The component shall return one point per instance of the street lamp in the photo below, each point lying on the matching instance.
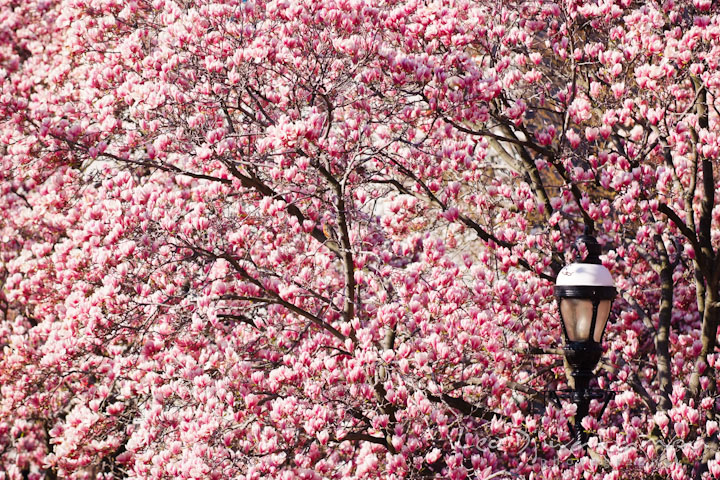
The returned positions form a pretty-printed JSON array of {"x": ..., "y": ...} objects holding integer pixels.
[{"x": 585, "y": 291}]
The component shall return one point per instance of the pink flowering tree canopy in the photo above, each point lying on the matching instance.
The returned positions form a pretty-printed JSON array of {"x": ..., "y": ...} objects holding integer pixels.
[{"x": 247, "y": 239}]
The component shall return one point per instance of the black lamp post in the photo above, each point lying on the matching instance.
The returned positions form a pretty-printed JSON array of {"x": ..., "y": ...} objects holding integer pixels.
[{"x": 585, "y": 291}]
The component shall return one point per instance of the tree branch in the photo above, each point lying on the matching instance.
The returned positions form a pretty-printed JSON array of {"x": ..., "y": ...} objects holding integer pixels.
[{"x": 662, "y": 336}]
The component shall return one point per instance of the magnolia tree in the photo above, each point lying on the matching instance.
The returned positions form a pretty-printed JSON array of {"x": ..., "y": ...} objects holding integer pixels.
[{"x": 318, "y": 239}]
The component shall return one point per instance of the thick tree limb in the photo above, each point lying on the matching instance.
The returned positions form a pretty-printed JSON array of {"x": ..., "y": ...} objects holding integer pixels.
[{"x": 662, "y": 337}]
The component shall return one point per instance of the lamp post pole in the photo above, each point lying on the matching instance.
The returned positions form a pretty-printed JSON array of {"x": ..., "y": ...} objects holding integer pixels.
[
  {"x": 582, "y": 361},
  {"x": 584, "y": 291}
]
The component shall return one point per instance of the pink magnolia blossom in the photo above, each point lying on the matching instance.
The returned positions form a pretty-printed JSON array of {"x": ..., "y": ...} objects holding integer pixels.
[{"x": 318, "y": 239}]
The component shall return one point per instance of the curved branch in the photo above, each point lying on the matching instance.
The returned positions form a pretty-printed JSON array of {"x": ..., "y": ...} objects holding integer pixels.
[
  {"x": 465, "y": 407},
  {"x": 275, "y": 297}
]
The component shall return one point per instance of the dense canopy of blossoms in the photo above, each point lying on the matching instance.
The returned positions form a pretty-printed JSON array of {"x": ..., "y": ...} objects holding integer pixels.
[{"x": 318, "y": 238}]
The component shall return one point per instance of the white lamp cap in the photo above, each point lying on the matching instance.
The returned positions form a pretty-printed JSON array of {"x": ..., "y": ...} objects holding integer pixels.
[{"x": 584, "y": 274}]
